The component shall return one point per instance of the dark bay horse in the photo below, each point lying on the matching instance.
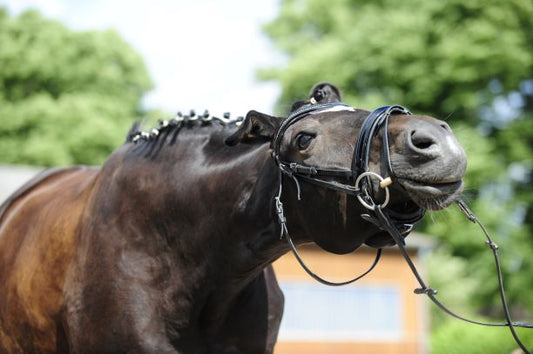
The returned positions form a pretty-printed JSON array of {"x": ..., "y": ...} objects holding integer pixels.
[{"x": 167, "y": 247}]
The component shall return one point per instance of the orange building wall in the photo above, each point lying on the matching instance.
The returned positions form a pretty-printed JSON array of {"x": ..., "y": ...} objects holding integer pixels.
[{"x": 391, "y": 270}]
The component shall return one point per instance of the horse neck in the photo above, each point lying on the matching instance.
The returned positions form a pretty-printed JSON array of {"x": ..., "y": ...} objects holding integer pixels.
[{"x": 209, "y": 206}]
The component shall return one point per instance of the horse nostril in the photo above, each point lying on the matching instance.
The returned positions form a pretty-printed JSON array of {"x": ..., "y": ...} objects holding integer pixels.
[
  {"x": 445, "y": 127},
  {"x": 421, "y": 140}
]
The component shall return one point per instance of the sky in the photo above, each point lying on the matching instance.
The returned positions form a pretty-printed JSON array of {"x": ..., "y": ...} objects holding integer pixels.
[{"x": 201, "y": 54}]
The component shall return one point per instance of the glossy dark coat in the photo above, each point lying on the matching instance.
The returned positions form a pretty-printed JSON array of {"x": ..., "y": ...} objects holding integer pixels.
[{"x": 167, "y": 247}]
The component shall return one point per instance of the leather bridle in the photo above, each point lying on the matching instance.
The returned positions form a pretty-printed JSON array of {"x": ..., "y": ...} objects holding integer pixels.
[
  {"x": 359, "y": 172},
  {"x": 397, "y": 224}
]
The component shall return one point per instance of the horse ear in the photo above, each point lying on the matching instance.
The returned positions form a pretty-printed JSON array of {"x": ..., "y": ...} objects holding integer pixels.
[
  {"x": 255, "y": 127},
  {"x": 325, "y": 93}
]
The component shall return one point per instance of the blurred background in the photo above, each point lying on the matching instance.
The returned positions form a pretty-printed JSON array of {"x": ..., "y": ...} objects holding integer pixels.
[{"x": 74, "y": 75}]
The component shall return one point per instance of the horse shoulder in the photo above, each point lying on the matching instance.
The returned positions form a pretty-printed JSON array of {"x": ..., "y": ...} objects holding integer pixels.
[{"x": 38, "y": 226}]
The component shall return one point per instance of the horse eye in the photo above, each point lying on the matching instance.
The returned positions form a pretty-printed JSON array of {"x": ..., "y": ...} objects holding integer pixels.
[{"x": 303, "y": 140}]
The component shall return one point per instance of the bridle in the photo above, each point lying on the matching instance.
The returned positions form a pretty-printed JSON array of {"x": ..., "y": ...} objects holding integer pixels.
[
  {"x": 359, "y": 174},
  {"x": 397, "y": 224}
]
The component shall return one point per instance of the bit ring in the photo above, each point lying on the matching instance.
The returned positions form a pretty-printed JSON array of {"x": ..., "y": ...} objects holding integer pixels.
[{"x": 369, "y": 202}]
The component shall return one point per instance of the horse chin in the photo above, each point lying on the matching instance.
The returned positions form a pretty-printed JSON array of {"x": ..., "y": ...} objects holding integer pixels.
[{"x": 432, "y": 195}]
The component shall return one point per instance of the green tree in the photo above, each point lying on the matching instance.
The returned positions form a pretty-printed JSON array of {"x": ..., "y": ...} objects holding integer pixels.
[
  {"x": 469, "y": 62},
  {"x": 436, "y": 56},
  {"x": 66, "y": 97}
]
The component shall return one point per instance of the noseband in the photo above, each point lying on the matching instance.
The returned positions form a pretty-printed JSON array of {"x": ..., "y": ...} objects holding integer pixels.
[{"x": 397, "y": 224}]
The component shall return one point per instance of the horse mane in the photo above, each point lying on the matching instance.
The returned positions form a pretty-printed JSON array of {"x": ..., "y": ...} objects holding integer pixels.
[{"x": 149, "y": 143}]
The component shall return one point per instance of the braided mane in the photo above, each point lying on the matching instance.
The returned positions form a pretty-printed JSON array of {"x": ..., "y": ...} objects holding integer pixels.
[
  {"x": 135, "y": 134},
  {"x": 146, "y": 141}
]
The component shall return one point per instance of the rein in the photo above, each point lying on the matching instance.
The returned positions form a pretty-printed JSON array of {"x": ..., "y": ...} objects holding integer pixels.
[
  {"x": 431, "y": 293},
  {"x": 398, "y": 225}
]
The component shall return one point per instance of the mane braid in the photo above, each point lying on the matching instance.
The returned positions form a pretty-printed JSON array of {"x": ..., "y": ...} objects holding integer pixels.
[{"x": 147, "y": 142}]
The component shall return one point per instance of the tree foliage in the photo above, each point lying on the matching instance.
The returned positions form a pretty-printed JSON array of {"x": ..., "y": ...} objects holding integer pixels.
[
  {"x": 436, "y": 56},
  {"x": 463, "y": 338},
  {"x": 469, "y": 62},
  {"x": 66, "y": 97}
]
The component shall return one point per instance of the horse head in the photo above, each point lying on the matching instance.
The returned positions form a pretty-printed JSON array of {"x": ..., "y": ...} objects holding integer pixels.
[{"x": 318, "y": 149}]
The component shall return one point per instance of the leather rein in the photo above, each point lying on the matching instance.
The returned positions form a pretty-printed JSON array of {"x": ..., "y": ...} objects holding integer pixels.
[{"x": 398, "y": 225}]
